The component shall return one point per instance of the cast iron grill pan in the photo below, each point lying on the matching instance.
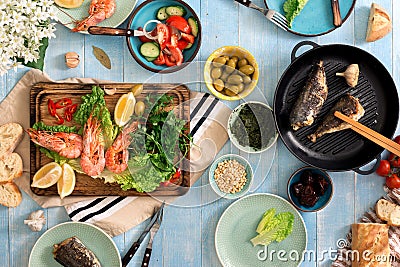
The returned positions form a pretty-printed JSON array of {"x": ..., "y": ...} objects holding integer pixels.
[{"x": 344, "y": 150}]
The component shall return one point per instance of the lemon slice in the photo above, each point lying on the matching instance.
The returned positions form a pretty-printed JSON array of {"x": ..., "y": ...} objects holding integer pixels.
[
  {"x": 47, "y": 176},
  {"x": 124, "y": 109},
  {"x": 66, "y": 184},
  {"x": 69, "y": 3}
]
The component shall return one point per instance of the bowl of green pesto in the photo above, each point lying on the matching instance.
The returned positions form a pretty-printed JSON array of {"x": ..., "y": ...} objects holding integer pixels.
[{"x": 251, "y": 127}]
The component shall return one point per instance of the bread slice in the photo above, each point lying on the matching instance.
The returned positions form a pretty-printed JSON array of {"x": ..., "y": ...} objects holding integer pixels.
[
  {"x": 384, "y": 208},
  {"x": 394, "y": 218},
  {"x": 10, "y": 136},
  {"x": 379, "y": 23},
  {"x": 10, "y": 196},
  {"x": 10, "y": 167},
  {"x": 371, "y": 240}
]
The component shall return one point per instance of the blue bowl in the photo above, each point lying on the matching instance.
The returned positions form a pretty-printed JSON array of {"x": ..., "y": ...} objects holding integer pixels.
[
  {"x": 249, "y": 176},
  {"x": 148, "y": 11},
  {"x": 322, "y": 201}
]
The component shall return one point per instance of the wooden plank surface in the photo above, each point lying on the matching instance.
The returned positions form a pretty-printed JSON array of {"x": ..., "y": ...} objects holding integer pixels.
[
  {"x": 85, "y": 185},
  {"x": 186, "y": 237}
]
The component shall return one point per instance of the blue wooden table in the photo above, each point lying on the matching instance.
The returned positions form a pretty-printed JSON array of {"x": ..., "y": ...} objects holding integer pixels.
[{"x": 186, "y": 237}]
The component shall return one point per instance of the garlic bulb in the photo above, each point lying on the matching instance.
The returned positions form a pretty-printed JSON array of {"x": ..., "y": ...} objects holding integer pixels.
[
  {"x": 351, "y": 75},
  {"x": 36, "y": 220}
]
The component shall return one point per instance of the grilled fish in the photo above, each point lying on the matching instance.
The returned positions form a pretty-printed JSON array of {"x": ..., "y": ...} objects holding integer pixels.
[
  {"x": 349, "y": 106},
  {"x": 311, "y": 99},
  {"x": 73, "y": 253}
]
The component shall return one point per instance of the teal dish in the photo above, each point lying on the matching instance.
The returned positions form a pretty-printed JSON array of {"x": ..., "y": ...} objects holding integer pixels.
[
  {"x": 91, "y": 236},
  {"x": 148, "y": 11},
  {"x": 238, "y": 224},
  {"x": 249, "y": 177},
  {"x": 316, "y": 18},
  {"x": 322, "y": 201}
]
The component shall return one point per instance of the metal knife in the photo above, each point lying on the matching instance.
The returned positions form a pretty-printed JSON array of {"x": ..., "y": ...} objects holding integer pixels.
[
  {"x": 153, "y": 232},
  {"x": 337, "y": 18}
]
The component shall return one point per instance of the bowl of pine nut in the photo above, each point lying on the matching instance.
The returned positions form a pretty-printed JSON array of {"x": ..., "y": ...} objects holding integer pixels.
[{"x": 231, "y": 176}]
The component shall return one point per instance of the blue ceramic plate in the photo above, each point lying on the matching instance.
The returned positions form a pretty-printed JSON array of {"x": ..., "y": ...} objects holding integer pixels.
[
  {"x": 238, "y": 224},
  {"x": 322, "y": 201},
  {"x": 316, "y": 18},
  {"x": 147, "y": 11},
  {"x": 91, "y": 236}
]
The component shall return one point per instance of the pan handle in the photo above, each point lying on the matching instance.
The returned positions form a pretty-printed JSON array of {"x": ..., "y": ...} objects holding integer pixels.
[
  {"x": 302, "y": 43},
  {"x": 373, "y": 169}
]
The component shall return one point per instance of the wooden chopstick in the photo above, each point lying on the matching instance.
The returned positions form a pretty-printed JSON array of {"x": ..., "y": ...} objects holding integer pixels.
[{"x": 370, "y": 134}]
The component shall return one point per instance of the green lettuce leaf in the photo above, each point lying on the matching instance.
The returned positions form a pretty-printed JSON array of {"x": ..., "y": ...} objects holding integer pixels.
[
  {"x": 275, "y": 229},
  {"x": 56, "y": 128},
  {"x": 293, "y": 8},
  {"x": 266, "y": 219}
]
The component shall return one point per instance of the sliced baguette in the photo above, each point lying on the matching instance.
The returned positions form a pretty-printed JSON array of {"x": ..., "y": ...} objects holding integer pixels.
[
  {"x": 10, "y": 196},
  {"x": 10, "y": 167},
  {"x": 394, "y": 218},
  {"x": 10, "y": 136},
  {"x": 384, "y": 208},
  {"x": 379, "y": 23}
]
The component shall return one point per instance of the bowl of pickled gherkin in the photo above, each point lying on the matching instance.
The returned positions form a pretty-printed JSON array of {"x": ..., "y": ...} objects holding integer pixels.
[
  {"x": 251, "y": 127},
  {"x": 231, "y": 73}
]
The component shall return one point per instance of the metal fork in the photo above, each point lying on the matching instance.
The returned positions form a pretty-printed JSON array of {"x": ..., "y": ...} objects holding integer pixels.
[{"x": 272, "y": 15}]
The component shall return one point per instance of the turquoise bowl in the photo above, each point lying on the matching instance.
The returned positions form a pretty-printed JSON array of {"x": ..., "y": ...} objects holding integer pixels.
[
  {"x": 148, "y": 11},
  {"x": 322, "y": 201},
  {"x": 249, "y": 177}
]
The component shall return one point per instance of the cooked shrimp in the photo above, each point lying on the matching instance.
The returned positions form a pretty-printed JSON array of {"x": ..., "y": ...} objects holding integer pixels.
[
  {"x": 99, "y": 10},
  {"x": 92, "y": 158},
  {"x": 68, "y": 145},
  {"x": 117, "y": 154}
]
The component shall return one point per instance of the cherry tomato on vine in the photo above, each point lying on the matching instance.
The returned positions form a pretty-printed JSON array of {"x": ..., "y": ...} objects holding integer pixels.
[
  {"x": 384, "y": 168},
  {"x": 393, "y": 181}
]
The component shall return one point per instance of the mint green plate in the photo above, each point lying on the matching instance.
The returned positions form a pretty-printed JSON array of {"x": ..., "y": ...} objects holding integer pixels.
[
  {"x": 67, "y": 16},
  {"x": 93, "y": 237},
  {"x": 238, "y": 224}
]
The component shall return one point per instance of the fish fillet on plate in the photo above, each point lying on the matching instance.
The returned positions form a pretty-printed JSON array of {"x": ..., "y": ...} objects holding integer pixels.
[
  {"x": 311, "y": 98},
  {"x": 349, "y": 106}
]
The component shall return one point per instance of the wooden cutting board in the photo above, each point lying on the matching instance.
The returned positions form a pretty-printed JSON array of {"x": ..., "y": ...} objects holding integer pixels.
[{"x": 85, "y": 185}]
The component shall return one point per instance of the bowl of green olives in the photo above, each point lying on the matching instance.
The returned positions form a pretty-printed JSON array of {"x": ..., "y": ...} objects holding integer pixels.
[{"x": 231, "y": 73}]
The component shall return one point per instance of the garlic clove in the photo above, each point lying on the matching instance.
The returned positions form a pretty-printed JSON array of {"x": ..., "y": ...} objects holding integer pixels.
[
  {"x": 36, "y": 220},
  {"x": 72, "y": 59},
  {"x": 351, "y": 75}
]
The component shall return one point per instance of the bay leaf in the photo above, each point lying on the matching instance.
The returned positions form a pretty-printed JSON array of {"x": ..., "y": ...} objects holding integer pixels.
[{"x": 102, "y": 57}]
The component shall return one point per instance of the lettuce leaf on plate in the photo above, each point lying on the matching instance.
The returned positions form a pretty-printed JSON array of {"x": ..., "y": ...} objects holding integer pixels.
[
  {"x": 293, "y": 8},
  {"x": 275, "y": 228}
]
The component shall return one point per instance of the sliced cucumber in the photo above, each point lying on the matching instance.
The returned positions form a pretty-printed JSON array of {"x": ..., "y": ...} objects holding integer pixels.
[
  {"x": 150, "y": 59},
  {"x": 189, "y": 45},
  {"x": 194, "y": 26},
  {"x": 161, "y": 14},
  {"x": 150, "y": 50},
  {"x": 175, "y": 11}
]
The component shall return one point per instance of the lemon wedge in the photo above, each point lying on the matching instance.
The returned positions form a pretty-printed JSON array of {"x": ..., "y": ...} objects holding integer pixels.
[
  {"x": 124, "y": 109},
  {"x": 66, "y": 184},
  {"x": 47, "y": 176},
  {"x": 69, "y": 3}
]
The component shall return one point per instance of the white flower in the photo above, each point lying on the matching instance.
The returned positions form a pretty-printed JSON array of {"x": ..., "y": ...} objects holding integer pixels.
[{"x": 23, "y": 25}]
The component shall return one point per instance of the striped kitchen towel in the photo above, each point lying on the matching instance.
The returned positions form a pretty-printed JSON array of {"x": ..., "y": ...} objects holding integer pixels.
[{"x": 115, "y": 215}]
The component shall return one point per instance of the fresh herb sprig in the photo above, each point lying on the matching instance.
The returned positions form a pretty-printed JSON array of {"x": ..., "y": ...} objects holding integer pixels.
[{"x": 155, "y": 145}]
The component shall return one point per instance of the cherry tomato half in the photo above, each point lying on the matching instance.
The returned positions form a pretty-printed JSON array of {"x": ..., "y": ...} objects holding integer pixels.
[
  {"x": 393, "y": 181},
  {"x": 51, "y": 107},
  {"x": 62, "y": 103},
  {"x": 163, "y": 35},
  {"x": 384, "y": 168}
]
